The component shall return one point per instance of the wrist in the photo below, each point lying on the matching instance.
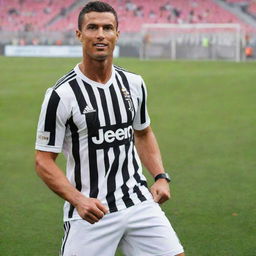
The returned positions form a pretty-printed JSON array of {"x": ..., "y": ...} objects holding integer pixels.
[
  {"x": 163, "y": 176},
  {"x": 77, "y": 199}
]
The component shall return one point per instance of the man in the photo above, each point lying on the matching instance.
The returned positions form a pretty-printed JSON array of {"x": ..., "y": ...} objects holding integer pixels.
[{"x": 97, "y": 116}]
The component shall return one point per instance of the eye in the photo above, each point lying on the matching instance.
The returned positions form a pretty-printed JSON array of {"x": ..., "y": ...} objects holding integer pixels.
[
  {"x": 108, "y": 27},
  {"x": 92, "y": 27}
]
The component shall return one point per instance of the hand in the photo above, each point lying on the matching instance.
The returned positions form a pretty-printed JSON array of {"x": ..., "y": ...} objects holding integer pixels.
[
  {"x": 91, "y": 209},
  {"x": 160, "y": 191}
]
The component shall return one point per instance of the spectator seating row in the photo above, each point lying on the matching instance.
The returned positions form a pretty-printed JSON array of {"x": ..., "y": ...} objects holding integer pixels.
[
  {"x": 250, "y": 5},
  {"x": 252, "y": 8},
  {"x": 31, "y": 15}
]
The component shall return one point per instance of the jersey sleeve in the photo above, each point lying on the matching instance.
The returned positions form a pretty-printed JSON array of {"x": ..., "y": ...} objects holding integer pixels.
[
  {"x": 141, "y": 119},
  {"x": 52, "y": 123}
]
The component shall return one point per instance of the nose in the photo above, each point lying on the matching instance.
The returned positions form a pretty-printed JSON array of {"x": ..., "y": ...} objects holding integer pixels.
[{"x": 100, "y": 34}]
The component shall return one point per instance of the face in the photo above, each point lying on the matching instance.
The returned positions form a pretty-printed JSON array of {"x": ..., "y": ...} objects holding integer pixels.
[{"x": 98, "y": 35}]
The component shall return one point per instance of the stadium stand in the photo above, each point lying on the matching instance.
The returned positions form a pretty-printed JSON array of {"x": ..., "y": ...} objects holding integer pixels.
[
  {"x": 30, "y": 15},
  {"x": 52, "y": 22},
  {"x": 252, "y": 8},
  {"x": 50, "y": 15},
  {"x": 236, "y": 1},
  {"x": 248, "y": 6}
]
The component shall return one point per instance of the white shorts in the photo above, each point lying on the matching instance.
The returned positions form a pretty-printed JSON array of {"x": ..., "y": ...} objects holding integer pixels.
[{"x": 141, "y": 230}]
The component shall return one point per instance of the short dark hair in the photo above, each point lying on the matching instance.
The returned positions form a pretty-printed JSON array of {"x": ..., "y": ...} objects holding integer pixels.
[{"x": 96, "y": 6}]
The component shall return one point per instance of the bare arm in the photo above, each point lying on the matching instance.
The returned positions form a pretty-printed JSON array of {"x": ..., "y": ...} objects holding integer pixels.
[
  {"x": 90, "y": 209},
  {"x": 150, "y": 156}
]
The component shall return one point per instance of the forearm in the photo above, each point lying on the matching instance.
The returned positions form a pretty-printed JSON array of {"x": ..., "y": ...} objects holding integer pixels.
[
  {"x": 150, "y": 156},
  {"x": 55, "y": 179},
  {"x": 90, "y": 209},
  {"x": 149, "y": 152}
]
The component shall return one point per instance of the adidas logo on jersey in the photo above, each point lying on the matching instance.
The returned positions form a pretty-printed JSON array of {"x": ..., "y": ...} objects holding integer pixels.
[
  {"x": 110, "y": 136},
  {"x": 88, "y": 110}
]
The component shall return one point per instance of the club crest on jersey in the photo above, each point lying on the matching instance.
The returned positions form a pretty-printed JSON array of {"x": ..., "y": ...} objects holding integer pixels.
[
  {"x": 127, "y": 97},
  {"x": 88, "y": 110}
]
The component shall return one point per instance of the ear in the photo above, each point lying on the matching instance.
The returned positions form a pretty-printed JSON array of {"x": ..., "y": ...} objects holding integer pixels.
[
  {"x": 117, "y": 34},
  {"x": 79, "y": 35}
]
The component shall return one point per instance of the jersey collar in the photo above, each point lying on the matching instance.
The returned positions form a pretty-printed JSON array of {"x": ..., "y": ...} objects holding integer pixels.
[{"x": 94, "y": 83}]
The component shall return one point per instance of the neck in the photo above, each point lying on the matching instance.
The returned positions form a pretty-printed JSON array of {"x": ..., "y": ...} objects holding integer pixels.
[{"x": 98, "y": 71}]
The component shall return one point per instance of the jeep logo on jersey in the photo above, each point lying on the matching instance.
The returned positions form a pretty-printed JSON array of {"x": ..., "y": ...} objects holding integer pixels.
[{"x": 115, "y": 135}]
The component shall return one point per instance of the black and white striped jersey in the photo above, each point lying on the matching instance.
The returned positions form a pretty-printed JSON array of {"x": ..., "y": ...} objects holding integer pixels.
[{"x": 93, "y": 125}]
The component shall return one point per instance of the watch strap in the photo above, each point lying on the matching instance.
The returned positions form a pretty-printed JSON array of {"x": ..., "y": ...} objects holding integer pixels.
[{"x": 163, "y": 176}]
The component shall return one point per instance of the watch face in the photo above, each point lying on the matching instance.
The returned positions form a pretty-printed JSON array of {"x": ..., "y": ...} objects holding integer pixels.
[{"x": 168, "y": 177}]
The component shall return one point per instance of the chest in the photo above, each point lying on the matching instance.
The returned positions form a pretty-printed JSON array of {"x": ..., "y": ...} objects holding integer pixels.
[{"x": 102, "y": 109}]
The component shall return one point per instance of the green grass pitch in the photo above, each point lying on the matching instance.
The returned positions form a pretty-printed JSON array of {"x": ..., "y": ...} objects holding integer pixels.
[{"x": 203, "y": 114}]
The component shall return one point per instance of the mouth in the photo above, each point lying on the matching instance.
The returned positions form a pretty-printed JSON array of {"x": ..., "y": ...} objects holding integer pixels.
[{"x": 100, "y": 45}]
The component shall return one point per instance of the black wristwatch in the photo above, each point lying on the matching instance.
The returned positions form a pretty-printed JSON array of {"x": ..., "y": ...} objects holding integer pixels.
[{"x": 163, "y": 176}]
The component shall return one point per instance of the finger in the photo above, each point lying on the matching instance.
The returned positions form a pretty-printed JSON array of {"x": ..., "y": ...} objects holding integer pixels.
[
  {"x": 156, "y": 197},
  {"x": 164, "y": 197},
  {"x": 97, "y": 212},
  {"x": 162, "y": 200},
  {"x": 102, "y": 207},
  {"x": 91, "y": 218}
]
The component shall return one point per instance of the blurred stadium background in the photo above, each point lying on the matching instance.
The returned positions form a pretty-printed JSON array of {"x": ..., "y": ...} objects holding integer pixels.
[
  {"x": 52, "y": 23},
  {"x": 203, "y": 114}
]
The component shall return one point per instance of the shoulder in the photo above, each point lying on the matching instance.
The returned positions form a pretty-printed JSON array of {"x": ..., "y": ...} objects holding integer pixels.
[
  {"x": 62, "y": 81},
  {"x": 132, "y": 78},
  {"x": 62, "y": 87},
  {"x": 61, "y": 90},
  {"x": 127, "y": 73}
]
